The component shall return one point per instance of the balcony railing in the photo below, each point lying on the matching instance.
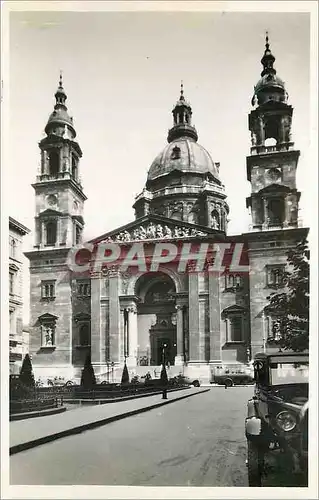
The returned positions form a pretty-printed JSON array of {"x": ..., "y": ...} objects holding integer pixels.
[{"x": 276, "y": 148}]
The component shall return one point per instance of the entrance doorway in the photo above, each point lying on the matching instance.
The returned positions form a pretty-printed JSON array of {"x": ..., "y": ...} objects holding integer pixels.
[{"x": 157, "y": 299}]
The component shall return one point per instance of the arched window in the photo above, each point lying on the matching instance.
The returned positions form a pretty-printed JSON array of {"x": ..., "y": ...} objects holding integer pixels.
[
  {"x": 84, "y": 334},
  {"x": 54, "y": 163},
  {"x": 51, "y": 229}
]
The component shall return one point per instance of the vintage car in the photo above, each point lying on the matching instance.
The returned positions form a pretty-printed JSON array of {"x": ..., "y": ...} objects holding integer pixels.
[
  {"x": 276, "y": 426},
  {"x": 229, "y": 375}
]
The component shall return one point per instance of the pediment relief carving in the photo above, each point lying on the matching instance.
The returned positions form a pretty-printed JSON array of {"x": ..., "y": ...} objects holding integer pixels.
[{"x": 150, "y": 231}]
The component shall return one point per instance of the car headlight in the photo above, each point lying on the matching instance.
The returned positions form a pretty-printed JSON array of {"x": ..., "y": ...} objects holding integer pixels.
[{"x": 286, "y": 421}]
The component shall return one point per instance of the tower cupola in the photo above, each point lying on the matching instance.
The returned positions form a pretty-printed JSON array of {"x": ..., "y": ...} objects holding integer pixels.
[
  {"x": 60, "y": 122},
  {"x": 270, "y": 87},
  {"x": 182, "y": 114}
]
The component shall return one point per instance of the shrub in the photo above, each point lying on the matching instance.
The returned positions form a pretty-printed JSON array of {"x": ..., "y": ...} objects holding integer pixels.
[
  {"x": 26, "y": 376},
  {"x": 125, "y": 376},
  {"x": 88, "y": 380}
]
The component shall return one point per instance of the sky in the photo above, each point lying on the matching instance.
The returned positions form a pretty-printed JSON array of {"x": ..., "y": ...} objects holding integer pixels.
[{"x": 122, "y": 74}]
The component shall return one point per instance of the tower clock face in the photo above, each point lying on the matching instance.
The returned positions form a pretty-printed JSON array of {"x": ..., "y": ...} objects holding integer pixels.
[
  {"x": 274, "y": 175},
  {"x": 52, "y": 200}
]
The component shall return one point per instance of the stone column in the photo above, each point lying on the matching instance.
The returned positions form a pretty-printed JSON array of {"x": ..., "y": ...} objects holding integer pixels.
[
  {"x": 214, "y": 317},
  {"x": 261, "y": 141},
  {"x": 43, "y": 234},
  {"x": 114, "y": 315},
  {"x": 265, "y": 223},
  {"x": 58, "y": 232},
  {"x": 287, "y": 211},
  {"x": 96, "y": 320},
  {"x": 132, "y": 335},
  {"x": 193, "y": 316},
  {"x": 179, "y": 358}
]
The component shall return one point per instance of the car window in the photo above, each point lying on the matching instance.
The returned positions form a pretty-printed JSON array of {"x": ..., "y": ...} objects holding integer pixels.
[{"x": 289, "y": 373}]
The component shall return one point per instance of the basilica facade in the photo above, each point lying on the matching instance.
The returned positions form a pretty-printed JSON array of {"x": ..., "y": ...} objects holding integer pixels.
[{"x": 192, "y": 319}]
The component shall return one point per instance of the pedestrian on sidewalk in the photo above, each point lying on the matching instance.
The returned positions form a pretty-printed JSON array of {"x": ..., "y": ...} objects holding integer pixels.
[{"x": 164, "y": 382}]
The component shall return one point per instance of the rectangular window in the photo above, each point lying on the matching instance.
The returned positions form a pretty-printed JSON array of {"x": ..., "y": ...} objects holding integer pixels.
[
  {"x": 84, "y": 289},
  {"x": 48, "y": 289},
  {"x": 11, "y": 283},
  {"x": 233, "y": 281},
  {"x": 236, "y": 329},
  {"x": 51, "y": 233},
  {"x": 275, "y": 276}
]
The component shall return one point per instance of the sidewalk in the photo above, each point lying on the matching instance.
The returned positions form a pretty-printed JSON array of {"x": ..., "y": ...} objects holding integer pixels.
[{"x": 25, "y": 434}]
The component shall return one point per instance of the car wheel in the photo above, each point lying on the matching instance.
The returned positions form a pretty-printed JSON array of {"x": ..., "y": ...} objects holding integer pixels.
[
  {"x": 255, "y": 464},
  {"x": 196, "y": 383},
  {"x": 229, "y": 382}
]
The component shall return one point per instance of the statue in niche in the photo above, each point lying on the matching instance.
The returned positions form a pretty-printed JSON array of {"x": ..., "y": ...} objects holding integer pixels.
[
  {"x": 48, "y": 336},
  {"x": 215, "y": 221}
]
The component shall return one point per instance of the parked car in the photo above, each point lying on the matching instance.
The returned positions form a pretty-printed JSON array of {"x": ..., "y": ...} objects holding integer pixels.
[
  {"x": 229, "y": 375},
  {"x": 276, "y": 426},
  {"x": 184, "y": 380}
]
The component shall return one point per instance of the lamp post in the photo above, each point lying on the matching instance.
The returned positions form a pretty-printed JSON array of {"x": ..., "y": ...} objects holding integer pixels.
[{"x": 163, "y": 354}]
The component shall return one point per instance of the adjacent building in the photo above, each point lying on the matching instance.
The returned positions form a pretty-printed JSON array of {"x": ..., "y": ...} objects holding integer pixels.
[
  {"x": 194, "y": 320},
  {"x": 18, "y": 339}
]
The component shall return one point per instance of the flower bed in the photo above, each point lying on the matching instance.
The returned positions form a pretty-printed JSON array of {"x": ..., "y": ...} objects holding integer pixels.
[{"x": 30, "y": 405}]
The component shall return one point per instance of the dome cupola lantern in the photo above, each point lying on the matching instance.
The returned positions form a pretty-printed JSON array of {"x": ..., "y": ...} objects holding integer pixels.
[{"x": 182, "y": 114}]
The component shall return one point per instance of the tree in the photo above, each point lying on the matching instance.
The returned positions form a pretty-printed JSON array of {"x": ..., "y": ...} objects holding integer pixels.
[
  {"x": 291, "y": 306},
  {"x": 125, "y": 376},
  {"x": 88, "y": 380},
  {"x": 26, "y": 376}
]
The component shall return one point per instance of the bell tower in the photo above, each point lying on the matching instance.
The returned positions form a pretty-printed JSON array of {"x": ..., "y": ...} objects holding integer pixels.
[
  {"x": 58, "y": 190},
  {"x": 272, "y": 164}
]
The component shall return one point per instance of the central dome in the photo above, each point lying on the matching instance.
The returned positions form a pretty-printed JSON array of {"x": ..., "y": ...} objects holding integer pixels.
[{"x": 185, "y": 155}]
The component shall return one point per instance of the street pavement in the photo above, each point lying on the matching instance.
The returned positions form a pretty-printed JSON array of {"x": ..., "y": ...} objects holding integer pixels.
[{"x": 198, "y": 441}]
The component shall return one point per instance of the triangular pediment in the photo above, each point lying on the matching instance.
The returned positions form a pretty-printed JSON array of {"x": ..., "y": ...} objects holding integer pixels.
[
  {"x": 155, "y": 227},
  {"x": 233, "y": 309},
  {"x": 49, "y": 212},
  {"x": 47, "y": 317},
  {"x": 273, "y": 188}
]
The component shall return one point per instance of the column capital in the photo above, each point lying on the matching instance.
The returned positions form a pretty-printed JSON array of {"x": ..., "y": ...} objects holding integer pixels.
[
  {"x": 180, "y": 307},
  {"x": 95, "y": 274},
  {"x": 111, "y": 272}
]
